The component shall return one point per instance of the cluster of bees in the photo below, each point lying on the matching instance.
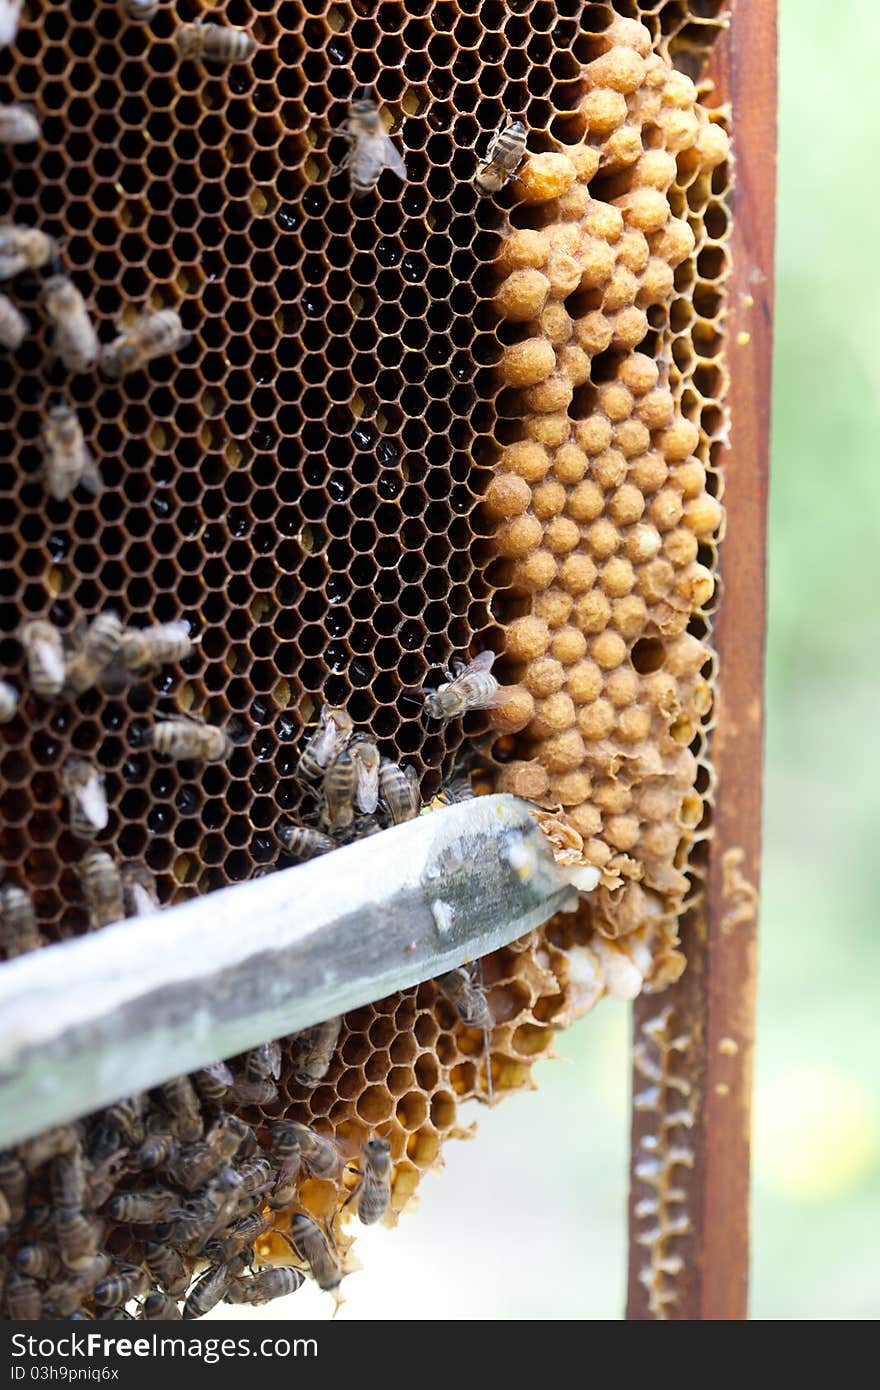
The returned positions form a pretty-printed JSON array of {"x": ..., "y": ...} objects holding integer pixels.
[{"x": 147, "y": 1204}]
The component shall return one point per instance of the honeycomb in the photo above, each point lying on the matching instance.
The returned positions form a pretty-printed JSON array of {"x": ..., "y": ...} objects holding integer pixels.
[{"x": 312, "y": 482}]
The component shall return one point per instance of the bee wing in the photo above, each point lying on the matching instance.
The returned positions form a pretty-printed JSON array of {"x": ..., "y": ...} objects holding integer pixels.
[
  {"x": 367, "y": 788},
  {"x": 482, "y": 662},
  {"x": 51, "y": 658},
  {"x": 91, "y": 478},
  {"x": 93, "y": 802},
  {"x": 393, "y": 159}
]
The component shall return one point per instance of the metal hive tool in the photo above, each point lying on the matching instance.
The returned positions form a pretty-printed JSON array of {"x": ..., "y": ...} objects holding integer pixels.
[{"x": 303, "y": 485}]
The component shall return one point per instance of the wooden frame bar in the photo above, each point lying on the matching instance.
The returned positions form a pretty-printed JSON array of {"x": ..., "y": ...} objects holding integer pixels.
[{"x": 693, "y": 1043}]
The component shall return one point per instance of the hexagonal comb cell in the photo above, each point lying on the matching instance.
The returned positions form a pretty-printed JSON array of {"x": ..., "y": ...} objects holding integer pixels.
[{"x": 348, "y": 474}]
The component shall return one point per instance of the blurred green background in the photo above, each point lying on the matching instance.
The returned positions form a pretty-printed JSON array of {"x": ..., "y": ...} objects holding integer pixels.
[{"x": 530, "y": 1220}]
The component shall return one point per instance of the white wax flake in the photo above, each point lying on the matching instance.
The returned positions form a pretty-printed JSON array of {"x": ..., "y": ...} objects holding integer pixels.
[
  {"x": 443, "y": 915},
  {"x": 583, "y": 877},
  {"x": 521, "y": 857}
]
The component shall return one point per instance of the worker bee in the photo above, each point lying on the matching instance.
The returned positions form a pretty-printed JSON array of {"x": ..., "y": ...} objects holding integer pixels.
[
  {"x": 127, "y": 1282},
  {"x": 466, "y": 998},
  {"x": 83, "y": 785},
  {"x": 207, "y": 1292},
  {"x": 102, "y": 889},
  {"x": 13, "y": 1185},
  {"x": 399, "y": 789},
  {"x": 332, "y": 735},
  {"x": 44, "y": 654},
  {"x": 67, "y": 1180},
  {"x": 18, "y": 922},
  {"x": 319, "y": 1152},
  {"x": 67, "y": 459},
  {"x": 24, "y": 1302},
  {"x": 166, "y": 1266},
  {"x": 260, "y": 1092},
  {"x": 182, "y": 737},
  {"x": 37, "y": 1261},
  {"x": 266, "y": 1285},
  {"x": 503, "y": 157},
  {"x": 104, "y": 1175},
  {"x": 193, "y": 1168},
  {"x": 180, "y": 1099},
  {"x": 366, "y": 760},
  {"x": 213, "y": 1082},
  {"x": 303, "y": 842},
  {"x": 456, "y": 790},
  {"x": 140, "y": 10},
  {"x": 213, "y": 43},
  {"x": 370, "y": 147},
  {"x": 18, "y": 125},
  {"x": 339, "y": 788},
  {"x": 97, "y": 650},
  {"x": 264, "y": 1062},
  {"x": 156, "y": 1150},
  {"x": 138, "y": 891},
  {"x": 374, "y": 1187},
  {"x": 13, "y": 325},
  {"x": 313, "y": 1050},
  {"x": 75, "y": 341},
  {"x": 60, "y": 1139},
  {"x": 8, "y": 702},
  {"x": 153, "y": 334},
  {"x": 239, "y": 1239},
  {"x": 158, "y": 1307},
  {"x": 123, "y": 1122},
  {"x": 468, "y": 687},
  {"x": 23, "y": 248},
  {"x": 310, "y": 1243},
  {"x": 66, "y": 1296},
  {"x": 77, "y": 1238},
  {"x": 155, "y": 645},
  {"x": 143, "y": 1207},
  {"x": 10, "y": 12}
]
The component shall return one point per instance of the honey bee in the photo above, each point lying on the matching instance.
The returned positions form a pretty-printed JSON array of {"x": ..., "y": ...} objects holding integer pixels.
[
  {"x": 18, "y": 125},
  {"x": 123, "y": 1121},
  {"x": 83, "y": 785},
  {"x": 166, "y": 1267},
  {"x": 181, "y": 738},
  {"x": 143, "y": 1207},
  {"x": 339, "y": 788},
  {"x": 158, "y": 1307},
  {"x": 24, "y": 1302},
  {"x": 8, "y": 702},
  {"x": 366, "y": 760},
  {"x": 13, "y": 325},
  {"x": 286, "y": 1151},
  {"x": 469, "y": 687},
  {"x": 456, "y": 790},
  {"x": 153, "y": 334},
  {"x": 239, "y": 1240},
  {"x": 138, "y": 891},
  {"x": 127, "y": 1282},
  {"x": 313, "y": 1050},
  {"x": 37, "y": 1261},
  {"x": 75, "y": 341},
  {"x": 370, "y": 148},
  {"x": 264, "y": 1062},
  {"x": 466, "y": 998},
  {"x": 191, "y": 1228},
  {"x": 141, "y": 10},
  {"x": 194, "y": 1168},
  {"x": 399, "y": 789},
  {"x": 23, "y": 248},
  {"x": 374, "y": 1188},
  {"x": 334, "y": 731},
  {"x": 503, "y": 157},
  {"x": 207, "y": 1292},
  {"x": 213, "y": 1082},
  {"x": 77, "y": 1239},
  {"x": 303, "y": 842},
  {"x": 10, "y": 12},
  {"x": 97, "y": 650},
  {"x": 156, "y": 1150},
  {"x": 266, "y": 1285},
  {"x": 61, "y": 1139},
  {"x": 247, "y": 1092},
  {"x": 310, "y": 1243},
  {"x": 13, "y": 1185},
  {"x": 44, "y": 654},
  {"x": 18, "y": 923},
  {"x": 102, "y": 889},
  {"x": 67, "y": 459},
  {"x": 155, "y": 645},
  {"x": 66, "y": 1296},
  {"x": 213, "y": 43},
  {"x": 67, "y": 1180},
  {"x": 319, "y": 1153},
  {"x": 181, "y": 1101}
]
